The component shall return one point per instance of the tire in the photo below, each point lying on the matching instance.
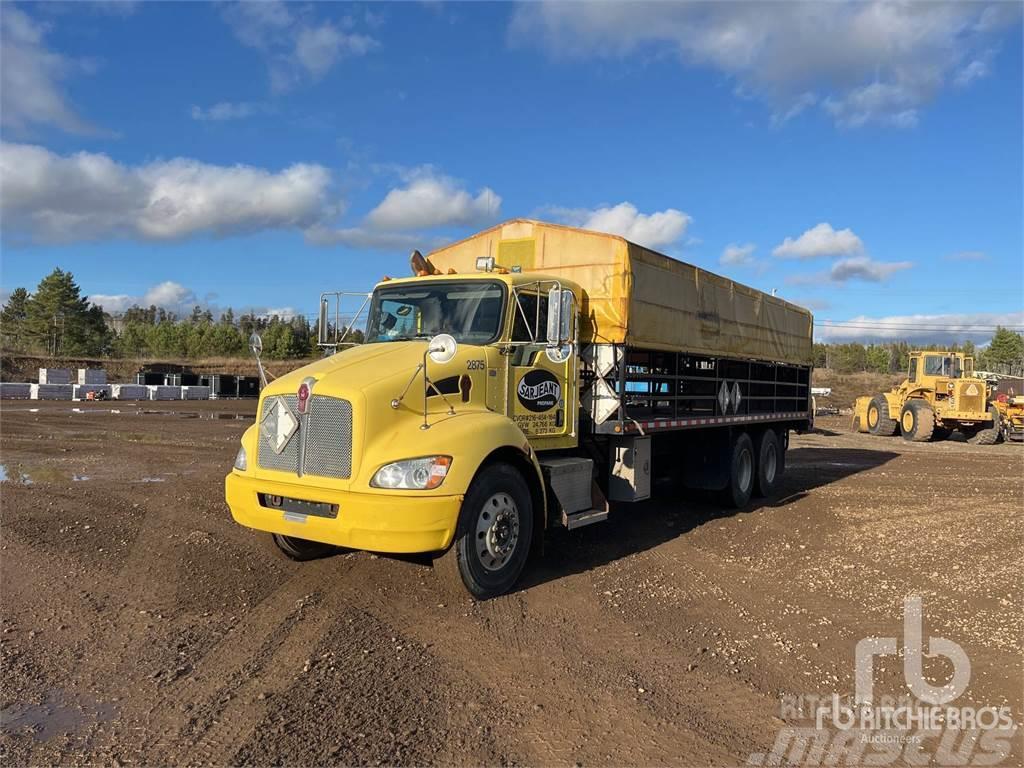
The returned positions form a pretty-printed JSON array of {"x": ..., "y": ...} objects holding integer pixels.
[
  {"x": 941, "y": 433},
  {"x": 989, "y": 436},
  {"x": 301, "y": 549},
  {"x": 493, "y": 535},
  {"x": 879, "y": 420},
  {"x": 917, "y": 421},
  {"x": 742, "y": 473},
  {"x": 770, "y": 462}
]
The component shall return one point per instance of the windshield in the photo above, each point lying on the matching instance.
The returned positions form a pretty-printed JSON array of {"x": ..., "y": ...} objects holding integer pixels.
[
  {"x": 942, "y": 366},
  {"x": 471, "y": 312}
]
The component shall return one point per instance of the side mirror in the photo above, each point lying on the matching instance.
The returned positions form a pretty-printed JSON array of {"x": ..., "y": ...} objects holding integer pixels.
[
  {"x": 442, "y": 348},
  {"x": 322, "y": 323},
  {"x": 559, "y": 316},
  {"x": 256, "y": 344}
]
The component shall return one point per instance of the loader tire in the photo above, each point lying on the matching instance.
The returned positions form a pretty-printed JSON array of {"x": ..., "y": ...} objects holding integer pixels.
[
  {"x": 879, "y": 420},
  {"x": 917, "y": 422},
  {"x": 989, "y": 436},
  {"x": 492, "y": 537}
]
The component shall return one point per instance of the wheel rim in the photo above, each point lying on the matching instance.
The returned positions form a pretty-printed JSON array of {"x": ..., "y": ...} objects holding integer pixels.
[
  {"x": 771, "y": 462},
  {"x": 497, "y": 531},
  {"x": 908, "y": 421},
  {"x": 745, "y": 471},
  {"x": 872, "y": 417}
]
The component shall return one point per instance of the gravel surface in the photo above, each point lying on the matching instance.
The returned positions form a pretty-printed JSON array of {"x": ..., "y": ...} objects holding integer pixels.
[{"x": 140, "y": 625}]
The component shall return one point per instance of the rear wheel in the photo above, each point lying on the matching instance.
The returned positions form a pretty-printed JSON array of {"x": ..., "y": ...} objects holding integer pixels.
[
  {"x": 769, "y": 463},
  {"x": 879, "y": 420},
  {"x": 741, "y": 472},
  {"x": 301, "y": 549},
  {"x": 917, "y": 421},
  {"x": 990, "y": 435},
  {"x": 492, "y": 538}
]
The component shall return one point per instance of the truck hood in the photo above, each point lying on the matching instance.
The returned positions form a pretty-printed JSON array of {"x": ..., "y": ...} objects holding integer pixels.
[{"x": 354, "y": 368}]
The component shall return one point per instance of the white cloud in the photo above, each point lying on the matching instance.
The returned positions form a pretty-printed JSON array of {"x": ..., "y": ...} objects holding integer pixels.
[
  {"x": 737, "y": 255},
  {"x": 179, "y": 299},
  {"x": 652, "y": 230},
  {"x": 430, "y": 200},
  {"x": 864, "y": 268},
  {"x": 297, "y": 47},
  {"x": 226, "y": 110},
  {"x": 30, "y": 77},
  {"x": 852, "y": 268},
  {"x": 863, "y": 61},
  {"x": 52, "y": 198},
  {"x": 820, "y": 240},
  {"x": 935, "y": 329},
  {"x": 168, "y": 295}
]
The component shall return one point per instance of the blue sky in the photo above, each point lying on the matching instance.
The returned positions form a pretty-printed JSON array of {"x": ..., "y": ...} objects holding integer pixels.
[{"x": 864, "y": 160}]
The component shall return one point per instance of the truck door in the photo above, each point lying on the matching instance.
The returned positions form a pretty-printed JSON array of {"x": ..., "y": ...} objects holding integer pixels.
[{"x": 543, "y": 387}]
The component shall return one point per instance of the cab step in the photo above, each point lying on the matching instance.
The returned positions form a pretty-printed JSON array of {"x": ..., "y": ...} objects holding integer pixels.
[{"x": 579, "y": 519}]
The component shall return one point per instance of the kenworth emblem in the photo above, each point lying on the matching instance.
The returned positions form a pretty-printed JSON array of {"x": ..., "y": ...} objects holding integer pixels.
[{"x": 278, "y": 424}]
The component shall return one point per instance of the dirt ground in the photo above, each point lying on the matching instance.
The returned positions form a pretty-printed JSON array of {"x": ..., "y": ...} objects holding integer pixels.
[{"x": 140, "y": 625}]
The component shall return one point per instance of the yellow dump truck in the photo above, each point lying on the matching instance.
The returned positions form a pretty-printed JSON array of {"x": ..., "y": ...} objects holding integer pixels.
[
  {"x": 519, "y": 381},
  {"x": 940, "y": 394}
]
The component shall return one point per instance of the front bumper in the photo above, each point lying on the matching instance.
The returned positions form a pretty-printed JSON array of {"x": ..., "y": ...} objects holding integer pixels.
[{"x": 370, "y": 521}]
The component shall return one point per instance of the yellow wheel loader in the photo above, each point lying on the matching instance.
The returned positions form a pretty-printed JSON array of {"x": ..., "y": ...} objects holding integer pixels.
[{"x": 940, "y": 394}]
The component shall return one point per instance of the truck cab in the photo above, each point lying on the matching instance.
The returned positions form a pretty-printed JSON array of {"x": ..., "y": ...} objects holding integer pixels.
[{"x": 461, "y": 380}]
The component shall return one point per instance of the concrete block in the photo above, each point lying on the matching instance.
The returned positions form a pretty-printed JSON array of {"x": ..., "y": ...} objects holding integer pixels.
[
  {"x": 82, "y": 391},
  {"x": 10, "y": 390},
  {"x": 92, "y": 376},
  {"x": 163, "y": 392},
  {"x": 52, "y": 391},
  {"x": 54, "y": 375},
  {"x": 195, "y": 393},
  {"x": 129, "y": 392}
]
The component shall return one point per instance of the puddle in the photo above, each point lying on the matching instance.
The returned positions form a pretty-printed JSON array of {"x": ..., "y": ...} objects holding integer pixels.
[
  {"x": 30, "y": 475},
  {"x": 53, "y": 717},
  {"x": 153, "y": 480}
]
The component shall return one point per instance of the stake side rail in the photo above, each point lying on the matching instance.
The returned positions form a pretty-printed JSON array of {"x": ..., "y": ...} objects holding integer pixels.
[{"x": 657, "y": 391}]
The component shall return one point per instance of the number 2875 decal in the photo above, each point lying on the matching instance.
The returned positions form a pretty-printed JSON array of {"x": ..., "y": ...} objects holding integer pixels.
[{"x": 474, "y": 365}]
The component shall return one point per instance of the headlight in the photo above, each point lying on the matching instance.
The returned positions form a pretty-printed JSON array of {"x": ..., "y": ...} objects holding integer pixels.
[
  {"x": 413, "y": 474},
  {"x": 240, "y": 459}
]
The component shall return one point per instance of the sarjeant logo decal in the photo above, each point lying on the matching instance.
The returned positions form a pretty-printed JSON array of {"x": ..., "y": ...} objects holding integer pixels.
[{"x": 539, "y": 391}]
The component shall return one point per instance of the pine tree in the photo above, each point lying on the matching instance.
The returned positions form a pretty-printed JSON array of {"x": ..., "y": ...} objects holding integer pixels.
[
  {"x": 61, "y": 321},
  {"x": 12, "y": 319}
]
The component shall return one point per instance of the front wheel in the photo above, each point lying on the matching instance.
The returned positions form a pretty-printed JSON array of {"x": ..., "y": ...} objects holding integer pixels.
[
  {"x": 301, "y": 549},
  {"x": 493, "y": 535},
  {"x": 989, "y": 436}
]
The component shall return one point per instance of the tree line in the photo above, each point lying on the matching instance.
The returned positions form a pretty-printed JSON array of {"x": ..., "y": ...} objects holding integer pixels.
[
  {"x": 1003, "y": 354},
  {"x": 57, "y": 320}
]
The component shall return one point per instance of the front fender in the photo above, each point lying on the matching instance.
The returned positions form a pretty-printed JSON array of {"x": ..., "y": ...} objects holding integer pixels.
[{"x": 469, "y": 438}]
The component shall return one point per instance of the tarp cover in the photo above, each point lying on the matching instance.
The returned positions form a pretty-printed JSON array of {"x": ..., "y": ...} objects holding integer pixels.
[{"x": 633, "y": 295}]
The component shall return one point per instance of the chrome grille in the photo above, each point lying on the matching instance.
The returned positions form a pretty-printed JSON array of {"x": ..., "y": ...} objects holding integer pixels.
[
  {"x": 328, "y": 450},
  {"x": 329, "y": 438}
]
